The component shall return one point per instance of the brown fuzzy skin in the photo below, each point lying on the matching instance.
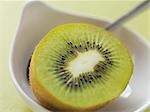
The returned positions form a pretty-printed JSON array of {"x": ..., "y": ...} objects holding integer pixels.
[{"x": 50, "y": 102}]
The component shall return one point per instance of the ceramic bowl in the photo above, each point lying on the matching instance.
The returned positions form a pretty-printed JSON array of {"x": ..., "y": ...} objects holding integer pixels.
[{"x": 38, "y": 18}]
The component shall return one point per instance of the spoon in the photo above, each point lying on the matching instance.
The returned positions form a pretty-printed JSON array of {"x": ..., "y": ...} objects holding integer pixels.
[{"x": 130, "y": 14}]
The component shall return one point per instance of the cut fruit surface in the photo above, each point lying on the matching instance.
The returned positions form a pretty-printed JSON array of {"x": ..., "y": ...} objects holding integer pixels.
[
  {"x": 84, "y": 62},
  {"x": 79, "y": 67}
]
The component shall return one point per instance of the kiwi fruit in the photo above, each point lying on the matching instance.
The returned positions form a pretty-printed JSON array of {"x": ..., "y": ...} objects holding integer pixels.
[{"x": 79, "y": 67}]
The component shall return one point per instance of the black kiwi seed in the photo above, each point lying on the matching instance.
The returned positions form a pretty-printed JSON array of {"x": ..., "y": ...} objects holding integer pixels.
[
  {"x": 106, "y": 57},
  {"x": 99, "y": 76},
  {"x": 89, "y": 80},
  {"x": 62, "y": 58},
  {"x": 70, "y": 43},
  {"x": 71, "y": 52},
  {"x": 75, "y": 46},
  {"x": 107, "y": 53},
  {"x": 60, "y": 68},
  {"x": 90, "y": 77},
  {"x": 81, "y": 80},
  {"x": 99, "y": 47},
  {"x": 105, "y": 50},
  {"x": 86, "y": 48},
  {"x": 109, "y": 62},
  {"x": 84, "y": 78},
  {"x": 93, "y": 44},
  {"x": 76, "y": 86}
]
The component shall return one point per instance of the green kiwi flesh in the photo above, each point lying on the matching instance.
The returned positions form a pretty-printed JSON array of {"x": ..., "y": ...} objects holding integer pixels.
[{"x": 79, "y": 67}]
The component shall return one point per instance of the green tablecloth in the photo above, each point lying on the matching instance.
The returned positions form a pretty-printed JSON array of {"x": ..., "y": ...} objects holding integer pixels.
[{"x": 10, "y": 12}]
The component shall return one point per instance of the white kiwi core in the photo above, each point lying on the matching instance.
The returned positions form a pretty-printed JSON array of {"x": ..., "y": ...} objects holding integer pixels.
[{"x": 84, "y": 62}]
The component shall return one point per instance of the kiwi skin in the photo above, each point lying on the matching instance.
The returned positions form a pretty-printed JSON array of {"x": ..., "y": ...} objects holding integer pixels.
[{"x": 52, "y": 103}]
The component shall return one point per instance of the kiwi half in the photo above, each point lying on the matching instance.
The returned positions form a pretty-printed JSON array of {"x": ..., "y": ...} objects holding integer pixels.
[{"x": 79, "y": 67}]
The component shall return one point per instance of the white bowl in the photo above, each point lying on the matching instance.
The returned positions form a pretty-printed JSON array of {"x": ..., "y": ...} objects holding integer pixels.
[{"x": 38, "y": 18}]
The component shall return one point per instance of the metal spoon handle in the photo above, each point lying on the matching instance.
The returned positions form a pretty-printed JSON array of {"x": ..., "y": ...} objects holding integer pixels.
[{"x": 135, "y": 11}]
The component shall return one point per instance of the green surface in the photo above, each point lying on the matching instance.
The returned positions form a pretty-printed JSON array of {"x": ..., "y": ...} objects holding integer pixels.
[{"x": 10, "y": 13}]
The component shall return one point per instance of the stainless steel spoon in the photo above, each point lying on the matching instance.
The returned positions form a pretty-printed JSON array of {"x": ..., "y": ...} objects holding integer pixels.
[{"x": 127, "y": 16}]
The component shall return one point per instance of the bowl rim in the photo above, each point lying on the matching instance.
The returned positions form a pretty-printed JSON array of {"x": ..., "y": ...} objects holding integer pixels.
[{"x": 86, "y": 15}]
